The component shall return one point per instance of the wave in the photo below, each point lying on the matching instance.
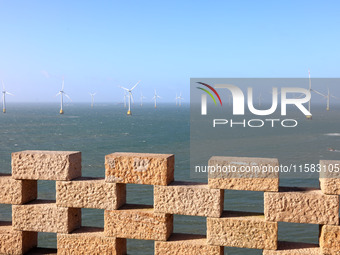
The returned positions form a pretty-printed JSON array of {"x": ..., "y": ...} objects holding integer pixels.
[{"x": 332, "y": 134}]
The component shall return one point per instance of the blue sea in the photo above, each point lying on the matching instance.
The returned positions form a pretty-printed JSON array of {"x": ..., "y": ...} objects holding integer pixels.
[{"x": 106, "y": 128}]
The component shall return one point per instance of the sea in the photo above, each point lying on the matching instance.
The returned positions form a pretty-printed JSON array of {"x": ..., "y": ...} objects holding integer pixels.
[{"x": 106, "y": 129}]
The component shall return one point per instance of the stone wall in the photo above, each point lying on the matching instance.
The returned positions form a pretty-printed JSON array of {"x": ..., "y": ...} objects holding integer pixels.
[{"x": 155, "y": 222}]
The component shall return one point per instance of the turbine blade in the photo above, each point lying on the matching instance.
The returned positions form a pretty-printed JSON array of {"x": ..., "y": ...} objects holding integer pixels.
[
  {"x": 58, "y": 94},
  {"x": 3, "y": 85},
  {"x": 317, "y": 92},
  {"x": 67, "y": 96},
  {"x": 9, "y": 93},
  {"x": 124, "y": 88},
  {"x": 62, "y": 84},
  {"x": 135, "y": 85}
]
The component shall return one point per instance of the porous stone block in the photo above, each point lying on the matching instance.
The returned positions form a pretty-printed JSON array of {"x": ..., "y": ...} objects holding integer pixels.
[
  {"x": 243, "y": 230},
  {"x": 14, "y": 242},
  {"x": 90, "y": 193},
  {"x": 138, "y": 222},
  {"x": 301, "y": 205},
  {"x": 186, "y": 244},
  {"x": 88, "y": 240},
  {"x": 330, "y": 177},
  {"x": 330, "y": 239},
  {"x": 45, "y": 216},
  {"x": 139, "y": 168},
  {"x": 242, "y": 173},
  {"x": 188, "y": 198},
  {"x": 16, "y": 191},
  {"x": 46, "y": 165},
  {"x": 290, "y": 248}
]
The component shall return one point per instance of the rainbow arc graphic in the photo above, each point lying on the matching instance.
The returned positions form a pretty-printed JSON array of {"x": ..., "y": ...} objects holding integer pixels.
[{"x": 209, "y": 93}]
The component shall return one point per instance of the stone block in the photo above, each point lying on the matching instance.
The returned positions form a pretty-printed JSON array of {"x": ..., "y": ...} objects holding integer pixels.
[
  {"x": 14, "y": 242},
  {"x": 187, "y": 244},
  {"x": 90, "y": 193},
  {"x": 290, "y": 248},
  {"x": 330, "y": 239},
  {"x": 139, "y": 168},
  {"x": 16, "y": 191},
  {"x": 243, "y": 230},
  {"x": 330, "y": 177},
  {"x": 45, "y": 216},
  {"x": 188, "y": 198},
  {"x": 89, "y": 240},
  {"x": 301, "y": 205},
  {"x": 46, "y": 165},
  {"x": 138, "y": 222},
  {"x": 241, "y": 173}
]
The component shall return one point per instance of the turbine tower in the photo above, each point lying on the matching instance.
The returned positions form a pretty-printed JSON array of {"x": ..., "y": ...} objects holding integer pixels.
[
  {"x": 4, "y": 93},
  {"x": 180, "y": 98},
  {"x": 141, "y": 99},
  {"x": 309, "y": 117},
  {"x": 130, "y": 96},
  {"x": 155, "y": 98},
  {"x": 92, "y": 98},
  {"x": 62, "y": 93}
]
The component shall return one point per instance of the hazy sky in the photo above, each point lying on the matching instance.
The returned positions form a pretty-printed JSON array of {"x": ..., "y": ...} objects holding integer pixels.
[{"x": 99, "y": 45}]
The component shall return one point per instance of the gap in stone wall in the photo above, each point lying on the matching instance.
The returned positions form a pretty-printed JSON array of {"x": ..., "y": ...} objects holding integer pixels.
[
  {"x": 243, "y": 251},
  {"x": 46, "y": 190},
  {"x": 47, "y": 240},
  {"x": 250, "y": 201},
  {"x": 92, "y": 218},
  {"x": 305, "y": 233},
  {"x": 139, "y": 194},
  {"x": 134, "y": 246},
  {"x": 5, "y": 212},
  {"x": 190, "y": 224}
]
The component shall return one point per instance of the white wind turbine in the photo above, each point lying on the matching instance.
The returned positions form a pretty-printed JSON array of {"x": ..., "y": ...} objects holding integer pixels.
[
  {"x": 155, "y": 98},
  {"x": 61, "y": 93},
  {"x": 180, "y": 98},
  {"x": 130, "y": 96},
  {"x": 141, "y": 99},
  {"x": 327, "y": 97},
  {"x": 92, "y": 98},
  {"x": 4, "y": 93}
]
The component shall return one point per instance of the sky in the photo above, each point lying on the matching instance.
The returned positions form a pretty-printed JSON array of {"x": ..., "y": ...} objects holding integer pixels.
[{"x": 98, "y": 46}]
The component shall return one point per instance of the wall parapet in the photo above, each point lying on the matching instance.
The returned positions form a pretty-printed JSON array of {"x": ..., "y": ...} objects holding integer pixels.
[{"x": 155, "y": 222}]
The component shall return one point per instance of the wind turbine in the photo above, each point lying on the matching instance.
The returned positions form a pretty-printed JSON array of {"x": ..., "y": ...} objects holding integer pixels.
[
  {"x": 327, "y": 97},
  {"x": 61, "y": 93},
  {"x": 130, "y": 96},
  {"x": 180, "y": 98},
  {"x": 155, "y": 98},
  {"x": 4, "y": 93},
  {"x": 92, "y": 98},
  {"x": 141, "y": 99}
]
